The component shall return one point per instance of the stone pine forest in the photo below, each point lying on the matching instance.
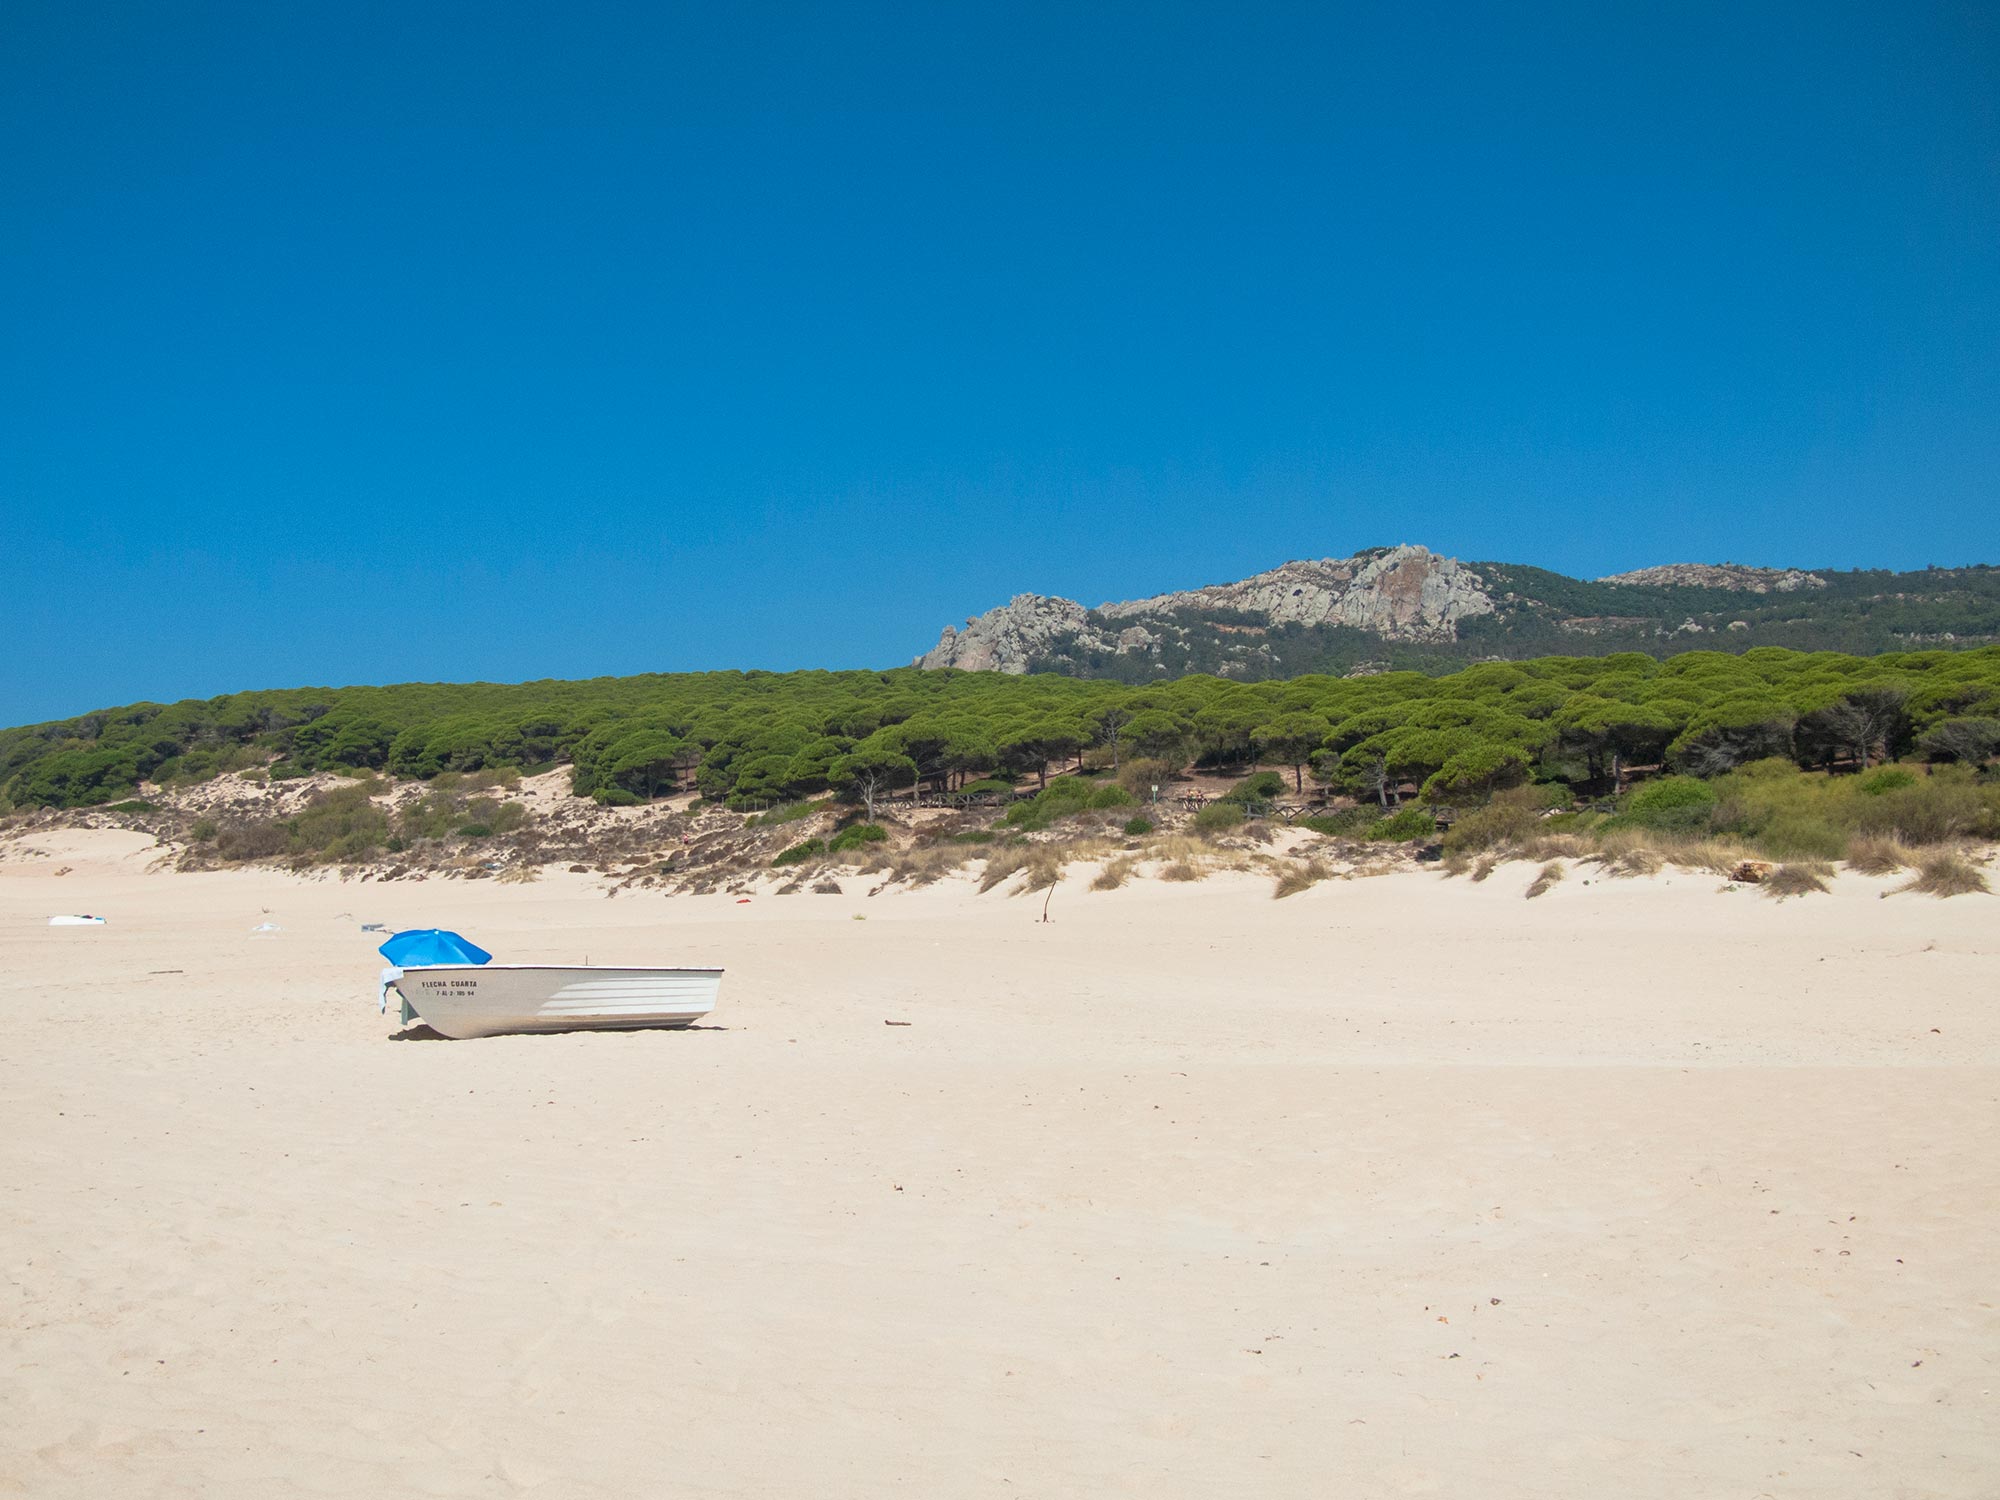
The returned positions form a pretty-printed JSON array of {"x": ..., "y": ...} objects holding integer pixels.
[{"x": 1424, "y": 703}]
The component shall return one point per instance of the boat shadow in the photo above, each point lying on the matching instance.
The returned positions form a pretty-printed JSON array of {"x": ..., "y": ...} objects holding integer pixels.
[{"x": 423, "y": 1033}]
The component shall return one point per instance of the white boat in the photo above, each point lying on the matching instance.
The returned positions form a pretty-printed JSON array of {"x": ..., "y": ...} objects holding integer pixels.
[{"x": 468, "y": 1000}]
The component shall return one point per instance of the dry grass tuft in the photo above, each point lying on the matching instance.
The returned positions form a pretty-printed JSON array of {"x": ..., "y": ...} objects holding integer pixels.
[
  {"x": 1878, "y": 856},
  {"x": 1113, "y": 875},
  {"x": 1089, "y": 849},
  {"x": 1716, "y": 856},
  {"x": 1002, "y": 864},
  {"x": 1641, "y": 851},
  {"x": 1178, "y": 846},
  {"x": 1043, "y": 869},
  {"x": 1796, "y": 879},
  {"x": 1039, "y": 865},
  {"x": 1551, "y": 874},
  {"x": 1299, "y": 876},
  {"x": 1182, "y": 869},
  {"x": 925, "y": 865},
  {"x": 1637, "y": 860},
  {"x": 1554, "y": 846},
  {"x": 1945, "y": 873},
  {"x": 519, "y": 875},
  {"x": 1488, "y": 863}
]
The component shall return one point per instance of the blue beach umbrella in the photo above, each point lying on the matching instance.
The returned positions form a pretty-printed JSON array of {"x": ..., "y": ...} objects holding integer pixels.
[{"x": 431, "y": 945}]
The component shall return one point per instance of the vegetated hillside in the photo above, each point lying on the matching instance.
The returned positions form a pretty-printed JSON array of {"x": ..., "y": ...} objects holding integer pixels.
[
  {"x": 1408, "y": 608},
  {"x": 757, "y": 738}
]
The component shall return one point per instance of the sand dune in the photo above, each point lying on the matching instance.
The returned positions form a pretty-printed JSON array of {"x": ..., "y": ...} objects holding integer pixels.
[{"x": 1398, "y": 1186}]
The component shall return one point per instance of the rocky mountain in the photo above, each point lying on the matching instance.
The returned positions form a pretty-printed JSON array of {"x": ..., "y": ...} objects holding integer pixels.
[
  {"x": 1721, "y": 576},
  {"x": 1406, "y": 606},
  {"x": 1402, "y": 593}
]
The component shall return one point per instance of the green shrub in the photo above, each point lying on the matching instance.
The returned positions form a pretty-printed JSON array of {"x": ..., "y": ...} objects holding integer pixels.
[
  {"x": 430, "y": 816},
  {"x": 1571, "y": 822},
  {"x": 203, "y": 830},
  {"x": 1885, "y": 779},
  {"x": 1513, "y": 816},
  {"x": 1067, "y": 791},
  {"x": 1673, "y": 804},
  {"x": 194, "y": 766},
  {"x": 1134, "y": 827},
  {"x": 261, "y": 840},
  {"x": 1262, "y": 786},
  {"x": 1139, "y": 777},
  {"x": 615, "y": 796},
  {"x": 1065, "y": 797},
  {"x": 854, "y": 835},
  {"x": 1218, "y": 816},
  {"x": 1938, "y": 808},
  {"x": 1797, "y": 836},
  {"x": 285, "y": 770},
  {"x": 1402, "y": 827},
  {"x": 1031, "y": 816},
  {"x": 800, "y": 853},
  {"x": 340, "y": 824},
  {"x": 791, "y": 812},
  {"x": 486, "y": 816},
  {"x": 1349, "y": 822},
  {"x": 350, "y": 847},
  {"x": 1507, "y": 819},
  {"x": 987, "y": 786}
]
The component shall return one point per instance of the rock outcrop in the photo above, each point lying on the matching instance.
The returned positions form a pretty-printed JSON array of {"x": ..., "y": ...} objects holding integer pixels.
[
  {"x": 1006, "y": 639},
  {"x": 1721, "y": 576},
  {"x": 1408, "y": 608},
  {"x": 1405, "y": 593}
]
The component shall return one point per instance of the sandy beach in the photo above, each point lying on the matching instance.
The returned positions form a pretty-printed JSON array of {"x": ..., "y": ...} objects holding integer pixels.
[{"x": 1402, "y": 1185}]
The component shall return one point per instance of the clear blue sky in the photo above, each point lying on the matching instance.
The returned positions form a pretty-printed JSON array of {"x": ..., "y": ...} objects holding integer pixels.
[{"x": 378, "y": 342}]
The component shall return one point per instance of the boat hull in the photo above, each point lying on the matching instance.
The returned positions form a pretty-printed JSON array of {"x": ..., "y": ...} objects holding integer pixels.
[{"x": 469, "y": 1000}]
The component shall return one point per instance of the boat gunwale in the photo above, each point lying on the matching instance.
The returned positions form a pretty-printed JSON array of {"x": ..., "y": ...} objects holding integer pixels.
[{"x": 570, "y": 968}]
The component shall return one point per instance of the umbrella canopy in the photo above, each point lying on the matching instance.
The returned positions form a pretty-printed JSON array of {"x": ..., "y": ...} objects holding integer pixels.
[{"x": 431, "y": 945}]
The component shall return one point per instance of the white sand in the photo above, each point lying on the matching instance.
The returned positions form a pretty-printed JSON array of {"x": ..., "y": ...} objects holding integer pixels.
[{"x": 1401, "y": 1185}]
